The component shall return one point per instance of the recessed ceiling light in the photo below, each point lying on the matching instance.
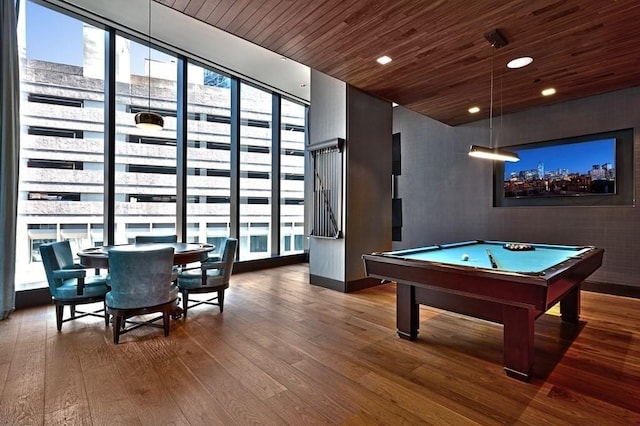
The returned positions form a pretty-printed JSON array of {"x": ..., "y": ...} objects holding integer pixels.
[
  {"x": 383, "y": 60},
  {"x": 548, "y": 92},
  {"x": 474, "y": 109},
  {"x": 520, "y": 62}
]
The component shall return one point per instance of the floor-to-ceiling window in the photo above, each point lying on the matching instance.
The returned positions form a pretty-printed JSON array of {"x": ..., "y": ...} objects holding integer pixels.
[
  {"x": 64, "y": 157},
  {"x": 292, "y": 131},
  {"x": 61, "y": 156},
  {"x": 145, "y": 171},
  {"x": 255, "y": 172},
  {"x": 208, "y": 155}
]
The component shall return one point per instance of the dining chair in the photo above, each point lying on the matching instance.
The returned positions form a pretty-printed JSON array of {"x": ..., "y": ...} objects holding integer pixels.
[
  {"x": 209, "y": 277},
  {"x": 69, "y": 284},
  {"x": 140, "y": 284},
  {"x": 150, "y": 238}
]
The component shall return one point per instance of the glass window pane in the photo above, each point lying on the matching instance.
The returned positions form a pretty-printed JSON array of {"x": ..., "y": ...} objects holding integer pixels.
[
  {"x": 292, "y": 132},
  {"x": 208, "y": 155},
  {"x": 255, "y": 172},
  {"x": 62, "y": 143},
  {"x": 145, "y": 177}
]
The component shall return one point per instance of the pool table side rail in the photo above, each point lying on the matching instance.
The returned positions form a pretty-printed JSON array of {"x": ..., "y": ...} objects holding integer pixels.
[
  {"x": 546, "y": 276},
  {"x": 537, "y": 292}
]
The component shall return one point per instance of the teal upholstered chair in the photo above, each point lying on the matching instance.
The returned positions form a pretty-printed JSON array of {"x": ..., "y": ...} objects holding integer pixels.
[
  {"x": 140, "y": 284},
  {"x": 69, "y": 283},
  {"x": 210, "y": 277},
  {"x": 148, "y": 239},
  {"x": 140, "y": 239}
]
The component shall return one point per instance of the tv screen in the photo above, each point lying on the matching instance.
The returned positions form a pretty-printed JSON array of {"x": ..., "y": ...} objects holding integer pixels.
[
  {"x": 564, "y": 170},
  {"x": 587, "y": 170}
]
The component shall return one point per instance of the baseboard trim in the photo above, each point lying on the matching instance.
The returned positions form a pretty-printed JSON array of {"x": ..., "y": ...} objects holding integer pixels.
[
  {"x": 362, "y": 283},
  {"x": 271, "y": 262},
  {"x": 613, "y": 289},
  {"x": 341, "y": 286},
  {"x": 33, "y": 297},
  {"x": 325, "y": 282}
]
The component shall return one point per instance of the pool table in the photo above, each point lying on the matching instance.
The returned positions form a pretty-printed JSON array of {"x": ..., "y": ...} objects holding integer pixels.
[{"x": 505, "y": 282}]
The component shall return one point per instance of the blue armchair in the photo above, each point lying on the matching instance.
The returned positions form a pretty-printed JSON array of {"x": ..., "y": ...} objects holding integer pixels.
[
  {"x": 140, "y": 284},
  {"x": 210, "y": 276},
  {"x": 69, "y": 283},
  {"x": 149, "y": 238}
]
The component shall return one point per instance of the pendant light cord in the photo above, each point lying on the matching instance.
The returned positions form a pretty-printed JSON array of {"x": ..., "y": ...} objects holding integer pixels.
[
  {"x": 491, "y": 104},
  {"x": 149, "y": 59}
]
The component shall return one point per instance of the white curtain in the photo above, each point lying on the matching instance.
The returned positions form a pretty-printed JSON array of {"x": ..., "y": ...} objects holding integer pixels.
[{"x": 9, "y": 152}]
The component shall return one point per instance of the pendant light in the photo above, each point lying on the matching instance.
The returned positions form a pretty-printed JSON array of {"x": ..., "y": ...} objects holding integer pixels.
[
  {"x": 147, "y": 119},
  {"x": 497, "y": 40}
]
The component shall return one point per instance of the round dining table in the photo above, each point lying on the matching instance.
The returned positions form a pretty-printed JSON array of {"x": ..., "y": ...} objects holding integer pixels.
[{"x": 184, "y": 253}]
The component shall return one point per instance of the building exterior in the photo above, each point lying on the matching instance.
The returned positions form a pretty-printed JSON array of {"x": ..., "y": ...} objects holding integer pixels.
[{"x": 62, "y": 174}]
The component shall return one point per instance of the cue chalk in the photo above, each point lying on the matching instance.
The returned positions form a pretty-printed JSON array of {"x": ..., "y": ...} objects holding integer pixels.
[{"x": 494, "y": 265}]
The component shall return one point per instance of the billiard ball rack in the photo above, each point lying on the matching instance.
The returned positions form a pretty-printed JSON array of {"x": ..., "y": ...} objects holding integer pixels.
[{"x": 518, "y": 247}]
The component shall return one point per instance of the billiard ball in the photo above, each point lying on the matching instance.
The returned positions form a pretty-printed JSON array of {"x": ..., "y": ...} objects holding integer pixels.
[{"x": 465, "y": 257}]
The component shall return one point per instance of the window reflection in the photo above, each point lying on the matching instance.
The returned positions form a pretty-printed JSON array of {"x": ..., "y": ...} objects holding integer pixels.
[
  {"x": 145, "y": 175},
  {"x": 255, "y": 172},
  {"x": 292, "y": 131},
  {"x": 62, "y": 148},
  {"x": 208, "y": 155},
  {"x": 61, "y": 158}
]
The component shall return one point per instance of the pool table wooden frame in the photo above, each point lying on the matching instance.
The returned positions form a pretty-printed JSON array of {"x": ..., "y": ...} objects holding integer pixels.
[{"x": 512, "y": 299}]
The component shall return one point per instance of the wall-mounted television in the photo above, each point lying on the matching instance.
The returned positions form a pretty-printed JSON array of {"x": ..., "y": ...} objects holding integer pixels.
[{"x": 586, "y": 170}]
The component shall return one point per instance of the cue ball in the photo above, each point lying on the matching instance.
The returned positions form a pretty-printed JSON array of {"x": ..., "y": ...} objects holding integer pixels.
[{"x": 465, "y": 257}]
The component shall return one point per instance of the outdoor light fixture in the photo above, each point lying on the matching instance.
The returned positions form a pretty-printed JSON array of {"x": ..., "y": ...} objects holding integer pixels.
[
  {"x": 497, "y": 40},
  {"x": 149, "y": 120}
]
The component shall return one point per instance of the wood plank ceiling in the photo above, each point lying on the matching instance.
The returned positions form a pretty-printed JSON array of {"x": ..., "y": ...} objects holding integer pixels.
[{"x": 441, "y": 60}]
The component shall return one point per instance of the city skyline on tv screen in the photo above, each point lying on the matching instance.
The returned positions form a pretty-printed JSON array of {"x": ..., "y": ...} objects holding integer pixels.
[
  {"x": 577, "y": 157},
  {"x": 568, "y": 169}
]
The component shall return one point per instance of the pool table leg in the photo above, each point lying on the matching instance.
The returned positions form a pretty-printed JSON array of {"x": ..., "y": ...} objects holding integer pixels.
[
  {"x": 519, "y": 335},
  {"x": 407, "y": 311},
  {"x": 570, "y": 306}
]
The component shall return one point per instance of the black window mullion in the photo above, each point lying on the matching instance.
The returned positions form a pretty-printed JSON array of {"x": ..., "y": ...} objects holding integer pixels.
[
  {"x": 235, "y": 160},
  {"x": 275, "y": 174},
  {"x": 109, "y": 137},
  {"x": 181, "y": 154}
]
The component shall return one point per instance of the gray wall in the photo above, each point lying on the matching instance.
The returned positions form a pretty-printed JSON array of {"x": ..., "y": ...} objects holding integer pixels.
[
  {"x": 327, "y": 120},
  {"x": 364, "y": 121},
  {"x": 447, "y": 196}
]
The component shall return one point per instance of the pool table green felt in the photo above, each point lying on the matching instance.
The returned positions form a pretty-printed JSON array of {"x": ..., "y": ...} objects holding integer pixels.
[{"x": 535, "y": 261}]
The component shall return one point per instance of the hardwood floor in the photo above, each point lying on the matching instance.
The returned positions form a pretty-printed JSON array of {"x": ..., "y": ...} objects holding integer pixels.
[{"x": 286, "y": 352}]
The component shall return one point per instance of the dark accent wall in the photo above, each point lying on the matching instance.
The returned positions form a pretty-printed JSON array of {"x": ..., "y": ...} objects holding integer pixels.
[
  {"x": 368, "y": 180},
  {"x": 447, "y": 195}
]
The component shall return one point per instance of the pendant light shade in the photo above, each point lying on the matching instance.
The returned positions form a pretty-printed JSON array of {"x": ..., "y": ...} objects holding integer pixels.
[
  {"x": 492, "y": 154},
  {"x": 496, "y": 40},
  {"x": 149, "y": 120}
]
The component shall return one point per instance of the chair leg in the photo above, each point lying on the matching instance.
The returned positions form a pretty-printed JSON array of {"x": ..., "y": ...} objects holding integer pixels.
[
  {"x": 185, "y": 303},
  {"x": 73, "y": 311},
  {"x": 59, "y": 313},
  {"x": 117, "y": 319},
  {"x": 221, "y": 299},
  {"x": 106, "y": 314},
  {"x": 166, "y": 317}
]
